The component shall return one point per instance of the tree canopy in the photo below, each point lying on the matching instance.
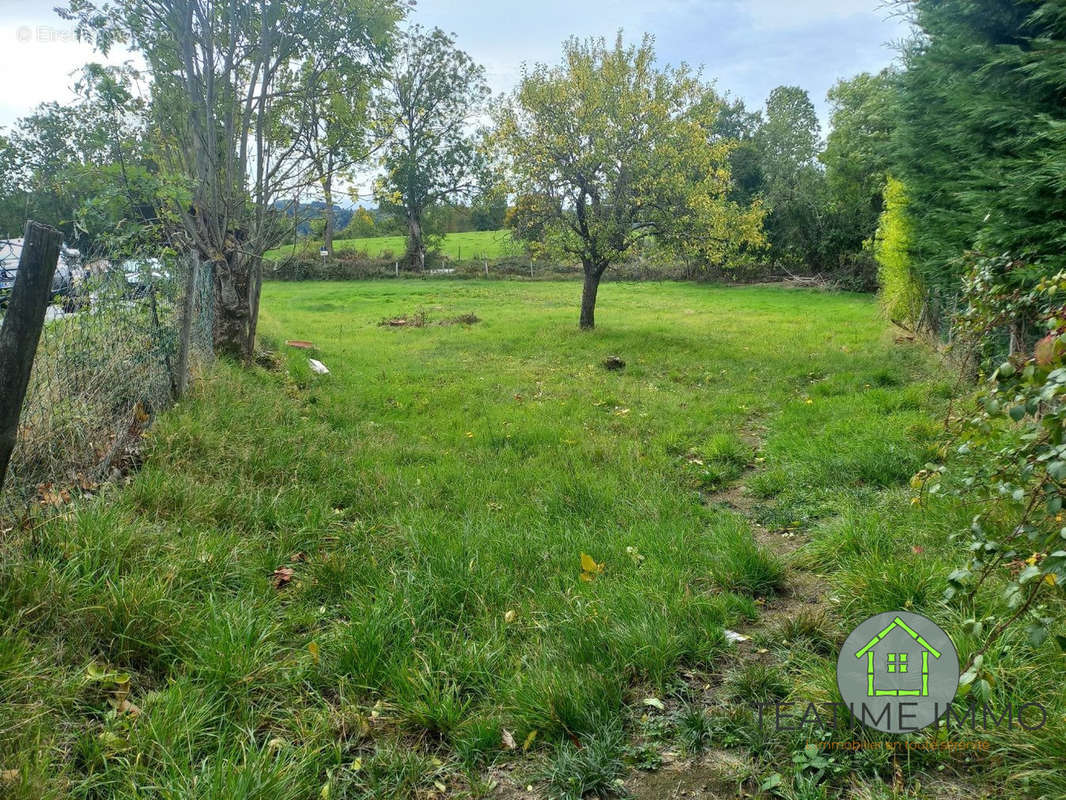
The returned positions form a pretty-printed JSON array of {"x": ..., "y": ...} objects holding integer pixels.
[
  {"x": 432, "y": 94},
  {"x": 607, "y": 149}
]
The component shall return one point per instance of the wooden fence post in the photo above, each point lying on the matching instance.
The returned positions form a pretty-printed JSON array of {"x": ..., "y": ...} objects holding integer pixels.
[
  {"x": 188, "y": 310},
  {"x": 22, "y": 328}
]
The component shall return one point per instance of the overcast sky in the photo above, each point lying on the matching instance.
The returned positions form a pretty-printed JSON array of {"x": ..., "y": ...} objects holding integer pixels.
[{"x": 749, "y": 46}]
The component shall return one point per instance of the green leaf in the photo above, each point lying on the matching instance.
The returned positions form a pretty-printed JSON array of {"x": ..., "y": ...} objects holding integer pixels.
[
  {"x": 1037, "y": 635},
  {"x": 1029, "y": 573},
  {"x": 771, "y": 782}
]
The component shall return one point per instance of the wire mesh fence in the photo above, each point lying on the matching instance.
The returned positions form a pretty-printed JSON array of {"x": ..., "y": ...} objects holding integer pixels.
[{"x": 109, "y": 359}]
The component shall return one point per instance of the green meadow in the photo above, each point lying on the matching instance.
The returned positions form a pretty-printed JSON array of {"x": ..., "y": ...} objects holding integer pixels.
[
  {"x": 469, "y": 246},
  {"x": 472, "y": 559}
]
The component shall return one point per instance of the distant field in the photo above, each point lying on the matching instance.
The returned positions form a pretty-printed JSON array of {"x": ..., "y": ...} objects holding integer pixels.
[{"x": 456, "y": 246}]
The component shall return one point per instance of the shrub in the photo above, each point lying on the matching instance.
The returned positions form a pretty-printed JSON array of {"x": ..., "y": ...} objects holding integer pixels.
[{"x": 902, "y": 295}]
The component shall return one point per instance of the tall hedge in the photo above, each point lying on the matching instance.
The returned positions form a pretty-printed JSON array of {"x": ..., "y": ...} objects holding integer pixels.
[{"x": 981, "y": 141}]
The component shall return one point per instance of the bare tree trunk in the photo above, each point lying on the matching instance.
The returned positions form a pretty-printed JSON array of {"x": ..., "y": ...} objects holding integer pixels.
[
  {"x": 256, "y": 291},
  {"x": 588, "y": 296},
  {"x": 327, "y": 190},
  {"x": 232, "y": 305},
  {"x": 416, "y": 249}
]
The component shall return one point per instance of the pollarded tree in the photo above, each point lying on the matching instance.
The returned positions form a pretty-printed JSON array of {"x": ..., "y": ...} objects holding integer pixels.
[
  {"x": 607, "y": 150},
  {"x": 433, "y": 94},
  {"x": 228, "y": 98}
]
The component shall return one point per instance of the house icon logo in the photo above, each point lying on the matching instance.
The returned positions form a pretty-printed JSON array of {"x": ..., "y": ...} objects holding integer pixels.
[{"x": 898, "y": 672}]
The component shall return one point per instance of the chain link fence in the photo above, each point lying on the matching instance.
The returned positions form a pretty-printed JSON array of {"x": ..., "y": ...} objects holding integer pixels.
[{"x": 109, "y": 359}]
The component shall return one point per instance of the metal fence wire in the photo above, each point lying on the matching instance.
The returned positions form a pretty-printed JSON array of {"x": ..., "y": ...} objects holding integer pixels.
[{"x": 106, "y": 364}]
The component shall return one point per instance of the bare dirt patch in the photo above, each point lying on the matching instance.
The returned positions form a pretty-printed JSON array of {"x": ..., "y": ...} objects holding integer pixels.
[
  {"x": 421, "y": 319},
  {"x": 717, "y": 774}
]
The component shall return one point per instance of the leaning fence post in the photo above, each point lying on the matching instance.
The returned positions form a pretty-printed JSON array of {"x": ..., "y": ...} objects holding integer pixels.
[
  {"x": 22, "y": 326},
  {"x": 188, "y": 309}
]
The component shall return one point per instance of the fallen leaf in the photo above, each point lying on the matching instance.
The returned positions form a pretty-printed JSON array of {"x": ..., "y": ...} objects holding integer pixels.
[
  {"x": 50, "y": 496},
  {"x": 9, "y": 775},
  {"x": 529, "y": 740},
  {"x": 508, "y": 740},
  {"x": 87, "y": 485},
  {"x": 734, "y": 637},
  {"x": 126, "y": 707},
  {"x": 654, "y": 702},
  {"x": 282, "y": 577},
  {"x": 589, "y": 568},
  {"x": 509, "y": 615},
  {"x": 140, "y": 416},
  {"x": 312, "y": 648}
]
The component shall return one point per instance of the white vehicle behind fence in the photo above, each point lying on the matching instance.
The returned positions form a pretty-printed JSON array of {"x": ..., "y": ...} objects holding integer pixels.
[
  {"x": 68, "y": 276},
  {"x": 141, "y": 273}
]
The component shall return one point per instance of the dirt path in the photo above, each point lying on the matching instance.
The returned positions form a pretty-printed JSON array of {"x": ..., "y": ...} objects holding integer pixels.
[{"x": 722, "y": 774}]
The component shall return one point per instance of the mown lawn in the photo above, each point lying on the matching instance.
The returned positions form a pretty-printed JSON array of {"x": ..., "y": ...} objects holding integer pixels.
[
  {"x": 437, "y": 634},
  {"x": 460, "y": 247}
]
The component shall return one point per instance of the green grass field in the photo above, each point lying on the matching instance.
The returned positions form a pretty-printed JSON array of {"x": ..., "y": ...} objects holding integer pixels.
[
  {"x": 472, "y": 560},
  {"x": 472, "y": 246}
]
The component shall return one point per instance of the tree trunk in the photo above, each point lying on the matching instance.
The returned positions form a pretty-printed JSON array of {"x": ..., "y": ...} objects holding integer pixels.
[
  {"x": 588, "y": 296},
  {"x": 327, "y": 189},
  {"x": 255, "y": 293},
  {"x": 233, "y": 311},
  {"x": 416, "y": 249}
]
